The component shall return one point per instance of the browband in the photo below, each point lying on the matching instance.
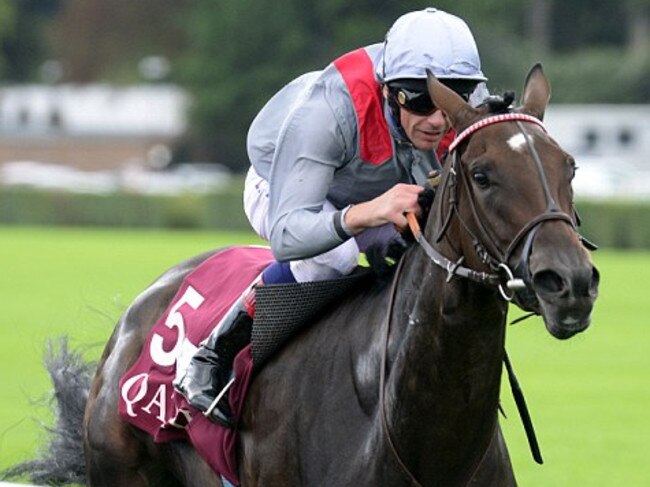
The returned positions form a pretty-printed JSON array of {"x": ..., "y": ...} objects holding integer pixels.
[{"x": 504, "y": 117}]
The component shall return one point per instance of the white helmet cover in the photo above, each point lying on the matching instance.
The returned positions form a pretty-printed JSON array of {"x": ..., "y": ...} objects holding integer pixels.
[{"x": 432, "y": 39}]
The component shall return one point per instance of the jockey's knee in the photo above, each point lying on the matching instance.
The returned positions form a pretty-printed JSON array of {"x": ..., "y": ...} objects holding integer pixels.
[{"x": 338, "y": 262}]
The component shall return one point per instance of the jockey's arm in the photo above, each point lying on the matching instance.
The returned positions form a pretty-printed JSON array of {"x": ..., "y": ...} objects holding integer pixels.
[
  {"x": 299, "y": 225},
  {"x": 312, "y": 145},
  {"x": 310, "y": 230}
]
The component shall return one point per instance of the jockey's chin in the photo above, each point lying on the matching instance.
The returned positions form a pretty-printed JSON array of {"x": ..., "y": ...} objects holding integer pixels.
[{"x": 426, "y": 141}]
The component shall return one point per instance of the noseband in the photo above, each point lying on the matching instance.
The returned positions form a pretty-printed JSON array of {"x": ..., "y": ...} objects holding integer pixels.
[{"x": 488, "y": 251}]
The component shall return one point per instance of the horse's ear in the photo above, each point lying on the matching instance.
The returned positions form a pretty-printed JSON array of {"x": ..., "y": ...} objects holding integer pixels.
[
  {"x": 537, "y": 92},
  {"x": 461, "y": 114}
]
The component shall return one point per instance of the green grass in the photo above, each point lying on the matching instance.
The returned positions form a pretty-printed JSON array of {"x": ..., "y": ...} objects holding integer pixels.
[{"x": 589, "y": 397}]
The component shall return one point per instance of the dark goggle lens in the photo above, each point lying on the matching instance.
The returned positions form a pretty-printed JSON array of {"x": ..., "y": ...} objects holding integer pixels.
[{"x": 415, "y": 101}]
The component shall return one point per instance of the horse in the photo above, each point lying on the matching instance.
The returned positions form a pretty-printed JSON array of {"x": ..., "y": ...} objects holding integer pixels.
[{"x": 399, "y": 383}]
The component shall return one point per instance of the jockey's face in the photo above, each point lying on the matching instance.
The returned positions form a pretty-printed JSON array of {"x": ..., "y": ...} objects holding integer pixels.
[{"x": 424, "y": 131}]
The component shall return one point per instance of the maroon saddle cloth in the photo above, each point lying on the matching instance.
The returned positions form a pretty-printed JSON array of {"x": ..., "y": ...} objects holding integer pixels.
[{"x": 147, "y": 397}]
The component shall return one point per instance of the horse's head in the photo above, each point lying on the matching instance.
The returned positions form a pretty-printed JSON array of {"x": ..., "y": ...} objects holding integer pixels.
[{"x": 508, "y": 183}]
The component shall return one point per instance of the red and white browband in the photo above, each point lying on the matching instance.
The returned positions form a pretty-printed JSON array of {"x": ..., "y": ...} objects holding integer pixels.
[{"x": 504, "y": 117}]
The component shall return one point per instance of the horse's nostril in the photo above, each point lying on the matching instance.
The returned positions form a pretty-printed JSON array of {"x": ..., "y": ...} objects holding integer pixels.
[{"x": 548, "y": 282}]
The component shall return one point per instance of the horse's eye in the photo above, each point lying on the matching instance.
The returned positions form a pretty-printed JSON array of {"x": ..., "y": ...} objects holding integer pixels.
[{"x": 481, "y": 179}]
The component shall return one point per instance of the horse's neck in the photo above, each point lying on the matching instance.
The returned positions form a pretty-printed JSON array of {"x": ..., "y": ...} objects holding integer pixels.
[{"x": 446, "y": 346}]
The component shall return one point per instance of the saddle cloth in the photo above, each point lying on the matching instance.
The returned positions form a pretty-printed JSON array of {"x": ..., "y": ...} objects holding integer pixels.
[{"x": 147, "y": 397}]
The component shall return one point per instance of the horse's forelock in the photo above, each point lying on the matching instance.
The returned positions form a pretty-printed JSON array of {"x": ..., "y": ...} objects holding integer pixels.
[{"x": 498, "y": 104}]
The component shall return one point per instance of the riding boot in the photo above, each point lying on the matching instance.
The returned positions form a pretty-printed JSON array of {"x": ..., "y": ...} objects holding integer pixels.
[{"x": 207, "y": 379}]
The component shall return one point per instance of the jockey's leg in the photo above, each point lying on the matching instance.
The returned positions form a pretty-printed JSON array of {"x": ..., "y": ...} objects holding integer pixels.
[
  {"x": 207, "y": 378},
  {"x": 340, "y": 261}
]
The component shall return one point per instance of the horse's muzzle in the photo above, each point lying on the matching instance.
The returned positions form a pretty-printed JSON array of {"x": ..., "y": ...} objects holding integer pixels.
[{"x": 566, "y": 298}]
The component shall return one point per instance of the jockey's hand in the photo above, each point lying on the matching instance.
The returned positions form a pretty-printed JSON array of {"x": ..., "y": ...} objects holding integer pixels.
[
  {"x": 425, "y": 200},
  {"x": 389, "y": 207}
]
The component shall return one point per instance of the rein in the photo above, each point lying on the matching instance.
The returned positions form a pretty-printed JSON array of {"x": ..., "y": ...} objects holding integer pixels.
[{"x": 382, "y": 380}]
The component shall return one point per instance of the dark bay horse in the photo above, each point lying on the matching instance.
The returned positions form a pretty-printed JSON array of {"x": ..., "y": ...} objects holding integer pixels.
[{"x": 399, "y": 384}]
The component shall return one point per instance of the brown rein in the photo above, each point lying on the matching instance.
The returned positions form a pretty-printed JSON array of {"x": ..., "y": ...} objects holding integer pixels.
[{"x": 382, "y": 379}]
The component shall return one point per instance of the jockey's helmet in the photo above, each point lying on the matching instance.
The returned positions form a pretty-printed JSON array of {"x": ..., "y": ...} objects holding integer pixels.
[{"x": 435, "y": 40}]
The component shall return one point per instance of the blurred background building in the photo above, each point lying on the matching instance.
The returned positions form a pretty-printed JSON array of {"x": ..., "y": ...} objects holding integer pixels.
[{"x": 92, "y": 126}]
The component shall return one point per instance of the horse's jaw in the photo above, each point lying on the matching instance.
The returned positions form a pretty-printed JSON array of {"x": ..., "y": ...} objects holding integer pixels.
[{"x": 563, "y": 318}]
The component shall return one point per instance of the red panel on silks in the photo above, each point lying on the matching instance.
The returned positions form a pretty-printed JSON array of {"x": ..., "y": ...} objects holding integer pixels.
[
  {"x": 147, "y": 397},
  {"x": 358, "y": 72},
  {"x": 376, "y": 145}
]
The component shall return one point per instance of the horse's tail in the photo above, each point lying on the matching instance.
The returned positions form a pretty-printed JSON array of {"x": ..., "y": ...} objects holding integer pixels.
[{"x": 62, "y": 460}]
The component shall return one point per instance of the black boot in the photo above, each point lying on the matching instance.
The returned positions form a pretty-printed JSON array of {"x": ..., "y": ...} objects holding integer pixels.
[{"x": 207, "y": 377}]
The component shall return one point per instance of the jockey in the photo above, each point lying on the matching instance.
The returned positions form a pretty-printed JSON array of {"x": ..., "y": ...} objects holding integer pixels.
[{"x": 337, "y": 158}]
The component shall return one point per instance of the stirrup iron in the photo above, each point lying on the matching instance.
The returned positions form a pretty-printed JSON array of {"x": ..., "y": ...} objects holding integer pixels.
[{"x": 213, "y": 404}]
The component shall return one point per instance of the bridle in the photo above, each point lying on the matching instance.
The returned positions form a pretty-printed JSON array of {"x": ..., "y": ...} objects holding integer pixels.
[
  {"x": 501, "y": 275},
  {"x": 487, "y": 250}
]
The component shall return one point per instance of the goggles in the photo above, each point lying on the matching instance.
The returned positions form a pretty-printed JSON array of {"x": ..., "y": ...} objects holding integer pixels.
[
  {"x": 417, "y": 102},
  {"x": 413, "y": 95}
]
